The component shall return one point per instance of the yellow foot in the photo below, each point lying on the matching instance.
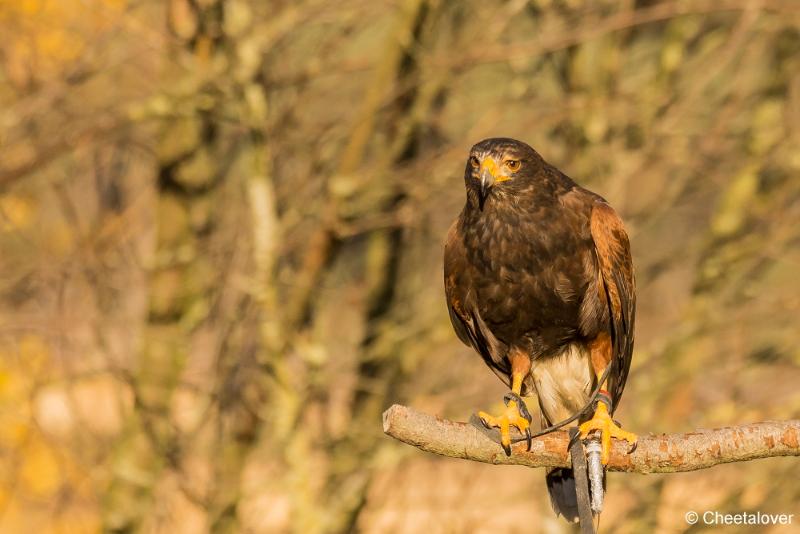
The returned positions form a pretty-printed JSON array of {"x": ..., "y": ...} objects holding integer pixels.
[
  {"x": 516, "y": 415},
  {"x": 608, "y": 429}
]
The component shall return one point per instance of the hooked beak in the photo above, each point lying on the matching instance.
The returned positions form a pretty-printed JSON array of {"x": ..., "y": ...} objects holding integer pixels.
[
  {"x": 487, "y": 177},
  {"x": 486, "y": 185}
]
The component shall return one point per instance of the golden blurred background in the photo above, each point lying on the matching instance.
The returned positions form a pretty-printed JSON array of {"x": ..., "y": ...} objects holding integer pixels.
[{"x": 221, "y": 225}]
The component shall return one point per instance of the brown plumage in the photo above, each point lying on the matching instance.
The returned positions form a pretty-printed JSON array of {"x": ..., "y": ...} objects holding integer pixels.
[{"x": 538, "y": 276}]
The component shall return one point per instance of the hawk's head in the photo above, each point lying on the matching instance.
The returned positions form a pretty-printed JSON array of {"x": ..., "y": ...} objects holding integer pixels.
[{"x": 500, "y": 165}]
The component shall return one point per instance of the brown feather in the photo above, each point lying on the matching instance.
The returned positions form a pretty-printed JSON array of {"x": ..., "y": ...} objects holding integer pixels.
[{"x": 616, "y": 268}]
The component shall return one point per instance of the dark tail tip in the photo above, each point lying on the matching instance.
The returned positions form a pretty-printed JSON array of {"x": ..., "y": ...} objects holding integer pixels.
[{"x": 561, "y": 485}]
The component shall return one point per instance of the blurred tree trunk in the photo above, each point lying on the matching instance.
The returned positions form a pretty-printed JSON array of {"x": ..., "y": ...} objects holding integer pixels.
[
  {"x": 197, "y": 318},
  {"x": 328, "y": 492}
]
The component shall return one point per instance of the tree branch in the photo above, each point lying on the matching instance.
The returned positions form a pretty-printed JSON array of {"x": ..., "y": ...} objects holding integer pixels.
[{"x": 664, "y": 453}]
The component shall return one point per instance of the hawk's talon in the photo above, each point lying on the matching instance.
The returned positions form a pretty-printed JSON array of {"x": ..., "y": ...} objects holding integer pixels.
[
  {"x": 516, "y": 415},
  {"x": 602, "y": 422}
]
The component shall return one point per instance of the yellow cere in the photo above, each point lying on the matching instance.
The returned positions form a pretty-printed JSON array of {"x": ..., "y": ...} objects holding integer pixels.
[{"x": 489, "y": 165}]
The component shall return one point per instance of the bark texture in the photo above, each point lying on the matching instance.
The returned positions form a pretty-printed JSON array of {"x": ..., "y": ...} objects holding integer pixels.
[{"x": 663, "y": 453}]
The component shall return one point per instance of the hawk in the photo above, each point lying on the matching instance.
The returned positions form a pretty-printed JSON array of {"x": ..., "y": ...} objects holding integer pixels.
[{"x": 539, "y": 281}]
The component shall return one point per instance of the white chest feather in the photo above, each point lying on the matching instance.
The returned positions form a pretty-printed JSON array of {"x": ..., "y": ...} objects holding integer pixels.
[{"x": 564, "y": 382}]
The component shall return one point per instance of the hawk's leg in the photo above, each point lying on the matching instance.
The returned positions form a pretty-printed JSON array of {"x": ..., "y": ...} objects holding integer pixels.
[
  {"x": 601, "y": 420},
  {"x": 516, "y": 413}
]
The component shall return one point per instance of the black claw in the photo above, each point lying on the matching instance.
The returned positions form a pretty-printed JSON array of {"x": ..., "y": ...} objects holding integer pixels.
[
  {"x": 633, "y": 447},
  {"x": 523, "y": 411},
  {"x": 528, "y": 438},
  {"x": 486, "y": 424},
  {"x": 506, "y": 448}
]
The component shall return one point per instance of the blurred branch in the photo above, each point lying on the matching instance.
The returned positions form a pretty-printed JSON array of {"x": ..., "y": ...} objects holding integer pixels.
[
  {"x": 664, "y": 453},
  {"x": 47, "y": 152},
  {"x": 617, "y": 22}
]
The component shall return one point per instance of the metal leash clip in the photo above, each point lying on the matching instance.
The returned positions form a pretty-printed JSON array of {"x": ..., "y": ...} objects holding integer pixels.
[{"x": 594, "y": 463}]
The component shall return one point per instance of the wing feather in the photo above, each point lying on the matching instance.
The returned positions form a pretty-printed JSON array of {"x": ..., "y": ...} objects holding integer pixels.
[
  {"x": 613, "y": 251},
  {"x": 469, "y": 326}
]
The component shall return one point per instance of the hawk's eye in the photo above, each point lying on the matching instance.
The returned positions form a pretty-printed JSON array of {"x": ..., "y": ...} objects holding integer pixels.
[
  {"x": 513, "y": 164},
  {"x": 473, "y": 161}
]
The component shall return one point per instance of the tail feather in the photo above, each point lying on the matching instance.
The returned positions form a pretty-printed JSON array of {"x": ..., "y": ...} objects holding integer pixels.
[{"x": 561, "y": 486}]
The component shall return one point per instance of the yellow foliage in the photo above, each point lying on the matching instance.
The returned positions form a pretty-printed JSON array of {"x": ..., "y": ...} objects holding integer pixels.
[
  {"x": 733, "y": 209},
  {"x": 60, "y": 240},
  {"x": 33, "y": 469},
  {"x": 39, "y": 474},
  {"x": 45, "y": 34},
  {"x": 16, "y": 212},
  {"x": 13, "y": 430}
]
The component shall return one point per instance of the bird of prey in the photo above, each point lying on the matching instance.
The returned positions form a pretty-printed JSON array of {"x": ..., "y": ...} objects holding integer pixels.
[{"x": 539, "y": 281}]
